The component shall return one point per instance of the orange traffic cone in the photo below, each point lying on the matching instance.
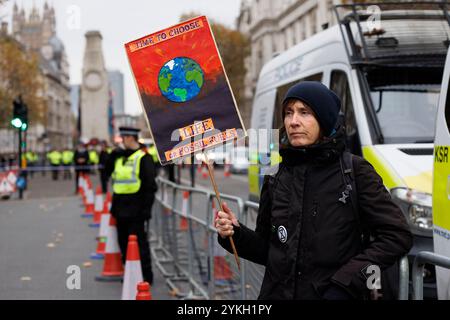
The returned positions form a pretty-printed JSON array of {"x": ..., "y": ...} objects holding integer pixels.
[
  {"x": 222, "y": 270},
  {"x": 112, "y": 266},
  {"x": 204, "y": 171},
  {"x": 184, "y": 211},
  {"x": 133, "y": 270},
  {"x": 98, "y": 207},
  {"x": 226, "y": 170},
  {"x": 89, "y": 209},
  {"x": 107, "y": 202},
  {"x": 80, "y": 184},
  {"x": 83, "y": 189},
  {"x": 143, "y": 291},
  {"x": 103, "y": 231}
]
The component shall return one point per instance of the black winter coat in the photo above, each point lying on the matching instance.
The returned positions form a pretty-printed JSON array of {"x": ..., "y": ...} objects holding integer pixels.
[
  {"x": 136, "y": 206},
  {"x": 323, "y": 248}
]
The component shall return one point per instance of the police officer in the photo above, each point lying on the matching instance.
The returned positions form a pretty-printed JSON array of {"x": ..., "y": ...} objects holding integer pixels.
[
  {"x": 154, "y": 153},
  {"x": 32, "y": 159},
  {"x": 93, "y": 156},
  {"x": 67, "y": 160},
  {"x": 54, "y": 158},
  {"x": 103, "y": 160},
  {"x": 134, "y": 187}
]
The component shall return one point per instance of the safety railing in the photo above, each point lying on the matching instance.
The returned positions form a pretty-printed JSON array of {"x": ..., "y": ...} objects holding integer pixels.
[
  {"x": 186, "y": 251},
  {"x": 185, "y": 247},
  {"x": 421, "y": 259}
]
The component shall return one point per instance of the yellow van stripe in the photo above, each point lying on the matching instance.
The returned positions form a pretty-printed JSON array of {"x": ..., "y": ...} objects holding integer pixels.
[
  {"x": 253, "y": 179},
  {"x": 387, "y": 173},
  {"x": 441, "y": 194}
]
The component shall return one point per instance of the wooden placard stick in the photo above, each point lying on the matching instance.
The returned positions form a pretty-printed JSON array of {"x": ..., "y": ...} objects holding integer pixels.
[{"x": 213, "y": 182}]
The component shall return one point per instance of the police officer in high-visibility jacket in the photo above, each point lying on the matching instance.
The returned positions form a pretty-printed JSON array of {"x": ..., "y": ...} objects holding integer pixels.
[
  {"x": 134, "y": 186},
  {"x": 67, "y": 160},
  {"x": 55, "y": 158}
]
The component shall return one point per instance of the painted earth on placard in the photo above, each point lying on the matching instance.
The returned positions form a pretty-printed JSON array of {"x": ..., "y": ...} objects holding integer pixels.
[{"x": 180, "y": 79}]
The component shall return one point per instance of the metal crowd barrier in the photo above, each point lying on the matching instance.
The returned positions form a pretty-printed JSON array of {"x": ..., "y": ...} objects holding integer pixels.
[
  {"x": 185, "y": 247},
  {"x": 189, "y": 257},
  {"x": 34, "y": 168},
  {"x": 421, "y": 259}
]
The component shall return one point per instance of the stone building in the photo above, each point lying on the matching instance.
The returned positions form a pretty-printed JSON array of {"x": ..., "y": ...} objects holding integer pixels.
[
  {"x": 275, "y": 26},
  {"x": 37, "y": 33}
]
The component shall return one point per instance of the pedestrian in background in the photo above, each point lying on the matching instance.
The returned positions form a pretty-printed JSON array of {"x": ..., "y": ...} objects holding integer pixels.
[{"x": 316, "y": 235}]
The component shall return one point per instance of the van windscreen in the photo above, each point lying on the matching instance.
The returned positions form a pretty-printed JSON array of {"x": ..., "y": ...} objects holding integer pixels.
[{"x": 405, "y": 101}]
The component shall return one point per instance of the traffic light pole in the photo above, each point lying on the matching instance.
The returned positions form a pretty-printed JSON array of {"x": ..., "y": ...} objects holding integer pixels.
[{"x": 20, "y": 161}]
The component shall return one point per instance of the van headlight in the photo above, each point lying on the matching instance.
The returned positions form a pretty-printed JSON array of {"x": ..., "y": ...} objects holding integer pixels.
[{"x": 417, "y": 207}]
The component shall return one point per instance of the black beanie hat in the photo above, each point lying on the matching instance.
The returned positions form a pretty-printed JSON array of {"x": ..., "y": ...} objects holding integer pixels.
[{"x": 324, "y": 102}]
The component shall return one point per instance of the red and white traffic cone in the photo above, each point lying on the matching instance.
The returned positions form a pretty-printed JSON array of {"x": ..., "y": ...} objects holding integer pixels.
[
  {"x": 133, "y": 270},
  {"x": 98, "y": 207},
  {"x": 80, "y": 190},
  {"x": 103, "y": 231},
  {"x": 184, "y": 210},
  {"x": 222, "y": 269},
  {"x": 226, "y": 170},
  {"x": 112, "y": 266},
  {"x": 89, "y": 209},
  {"x": 143, "y": 291},
  {"x": 204, "y": 171},
  {"x": 84, "y": 189}
]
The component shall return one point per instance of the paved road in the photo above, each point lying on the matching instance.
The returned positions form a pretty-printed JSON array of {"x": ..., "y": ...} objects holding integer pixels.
[
  {"x": 44, "y": 234},
  {"x": 41, "y": 236}
]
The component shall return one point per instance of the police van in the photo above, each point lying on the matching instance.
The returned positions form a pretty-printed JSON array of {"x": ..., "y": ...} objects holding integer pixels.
[
  {"x": 386, "y": 63},
  {"x": 441, "y": 184}
]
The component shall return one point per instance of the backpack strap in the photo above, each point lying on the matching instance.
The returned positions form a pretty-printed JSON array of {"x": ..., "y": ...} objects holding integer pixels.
[{"x": 348, "y": 174}]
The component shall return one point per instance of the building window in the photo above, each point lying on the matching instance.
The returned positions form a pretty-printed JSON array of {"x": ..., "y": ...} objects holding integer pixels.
[{"x": 314, "y": 21}]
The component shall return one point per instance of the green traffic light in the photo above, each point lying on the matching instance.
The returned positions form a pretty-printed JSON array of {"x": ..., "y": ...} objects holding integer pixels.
[
  {"x": 24, "y": 126},
  {"x": 17, "y": 123}
]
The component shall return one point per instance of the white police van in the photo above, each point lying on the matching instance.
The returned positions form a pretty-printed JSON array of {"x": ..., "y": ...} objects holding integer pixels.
[
  {"x": 441, "y": 184},
  {"x": 388, "y": 73}
]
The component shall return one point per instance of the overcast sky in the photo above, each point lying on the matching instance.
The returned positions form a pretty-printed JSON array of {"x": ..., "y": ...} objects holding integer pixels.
[{"x": 119, "y": 22}]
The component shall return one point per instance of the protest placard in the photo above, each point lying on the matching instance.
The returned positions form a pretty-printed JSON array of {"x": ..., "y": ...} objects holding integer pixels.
[{"x": 185, "y": 93}]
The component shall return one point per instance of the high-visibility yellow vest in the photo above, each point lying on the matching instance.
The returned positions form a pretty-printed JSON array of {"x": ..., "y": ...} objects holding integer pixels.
[
  {"x": 93, "y": 157},
  {"x": 54, "y": 157},
  {"x": 153, "y": 153},
  {"x": 67, "y": 157},
  {"x": 109, "y": 150},
  {"x": 29, "y": 156},
  {"x": 126, "y": 173}
]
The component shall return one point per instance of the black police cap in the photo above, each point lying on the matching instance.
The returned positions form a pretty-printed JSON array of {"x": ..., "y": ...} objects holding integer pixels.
[{"x": 129, "y": 131}]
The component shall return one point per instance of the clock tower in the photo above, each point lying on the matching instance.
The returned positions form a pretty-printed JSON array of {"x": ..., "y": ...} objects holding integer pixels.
[{"x": 94, "y": 91}]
